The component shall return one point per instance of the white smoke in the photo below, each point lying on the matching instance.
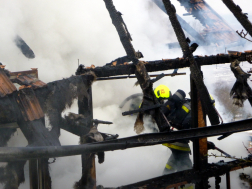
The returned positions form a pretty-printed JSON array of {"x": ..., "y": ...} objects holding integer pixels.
[{"x": 60, "y": 32}]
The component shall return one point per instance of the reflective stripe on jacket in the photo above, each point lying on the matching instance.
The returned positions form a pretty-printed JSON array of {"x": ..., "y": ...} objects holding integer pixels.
[{"x": 178, "y": 146}]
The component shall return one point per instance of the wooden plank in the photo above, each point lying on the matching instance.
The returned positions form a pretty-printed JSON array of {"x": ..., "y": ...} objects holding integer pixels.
[{"x": 33, "y": 173}]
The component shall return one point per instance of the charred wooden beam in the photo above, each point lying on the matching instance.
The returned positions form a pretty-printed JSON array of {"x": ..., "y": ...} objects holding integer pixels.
[
  {"x": 240, "y": 16},
  {"x": 195, "y": 72},
  {"x": 44, "y": 175},
  {"x": 122, "y": 30},
  {"x": 33, "y": 173},
  {"x": 13, "y": 125},
  {"x": 88, "y": 178},
  {"x": 125, "y": 77},
  {"x": 140, "y": 70},
  {"x": 76, "y": 124},
  {"x": 149, "y": 99},
  {"x": 13, "y": 154},
  {"x": 191, "y": 176},
  {"x": 165, "y": 64}
]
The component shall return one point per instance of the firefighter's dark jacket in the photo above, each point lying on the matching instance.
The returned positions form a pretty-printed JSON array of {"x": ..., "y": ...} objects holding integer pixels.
[{"x": 177, "y": 109}]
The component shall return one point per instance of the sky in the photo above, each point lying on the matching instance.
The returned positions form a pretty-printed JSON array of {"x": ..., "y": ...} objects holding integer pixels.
[{"x": 61, "y": 32}]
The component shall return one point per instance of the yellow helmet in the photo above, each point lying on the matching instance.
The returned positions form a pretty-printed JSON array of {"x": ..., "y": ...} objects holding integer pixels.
[{"x": 162, "y": 91}]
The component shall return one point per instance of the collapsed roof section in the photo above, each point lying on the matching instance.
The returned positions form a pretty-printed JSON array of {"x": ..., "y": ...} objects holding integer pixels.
[
  {"x": 26, "y": 108},
  {"x": 216, "y": 29}
]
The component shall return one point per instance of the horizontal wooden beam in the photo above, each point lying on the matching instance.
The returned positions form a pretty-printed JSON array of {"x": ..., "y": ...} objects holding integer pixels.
[
  {"x": 21, "y": 153},
  {"x": 165, "y": 64}
]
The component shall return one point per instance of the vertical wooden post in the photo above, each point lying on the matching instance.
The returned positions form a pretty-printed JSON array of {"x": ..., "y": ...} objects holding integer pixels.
[
  {"x": 44, "y": 179},
  {"x": 228, "y": 180},
  {"x": 199, "y": 145},
  {"x": 40, "y": 174},
  {"x": 88, "y": 179},
  {"x": 33, "y": 173}
]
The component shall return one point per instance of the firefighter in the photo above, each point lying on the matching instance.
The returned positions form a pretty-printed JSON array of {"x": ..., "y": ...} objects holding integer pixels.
[{"x": 177, "y": 109}]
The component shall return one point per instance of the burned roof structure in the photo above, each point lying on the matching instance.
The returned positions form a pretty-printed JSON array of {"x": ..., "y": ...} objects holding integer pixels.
[
  {"x": 216, "y": 30},
  {"x": 27, "y": 106}
]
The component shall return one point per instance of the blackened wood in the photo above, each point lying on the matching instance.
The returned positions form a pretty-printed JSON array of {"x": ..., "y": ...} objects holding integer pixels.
[
  {"x": 86, "y": 107},
  {"x": 33, "y": 173},
  {"x": 142, "y": 110},
  {"x": 140, "y": 70},
  {"x": 23, "y": 153},
  {"x": 125, "y": 77},
  {"x": 76, "y": 124},
  {"x": 88, "y": 178},
  {"x": 44, "y": 175},
  {"x": 228, "y": 180},
  {"x": 165, "y": 64},
  {"x": 37, "y": 134},
  {"x": 194, "y": 122},
  {"x": 240, "y": 16},
  {"x": 149, "y": 98},
  {"x": 121, "y": 29},
  {"x": 8, "y": 109},
  {"x": 195, "y": 72}
]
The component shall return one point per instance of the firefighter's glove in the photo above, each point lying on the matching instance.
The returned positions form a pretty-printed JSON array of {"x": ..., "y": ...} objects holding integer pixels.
[{"x": 210, "y": 145}]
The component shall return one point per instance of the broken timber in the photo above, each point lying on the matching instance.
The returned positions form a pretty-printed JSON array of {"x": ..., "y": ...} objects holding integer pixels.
[
  {"x": 140, "y": 71},
  {"x": 165, "y": 64},
  {"x": 122, "y": 30}
]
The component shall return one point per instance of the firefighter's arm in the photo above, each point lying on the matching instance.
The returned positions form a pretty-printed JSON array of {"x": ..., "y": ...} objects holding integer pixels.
[{"x": 167, "y": 107}]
